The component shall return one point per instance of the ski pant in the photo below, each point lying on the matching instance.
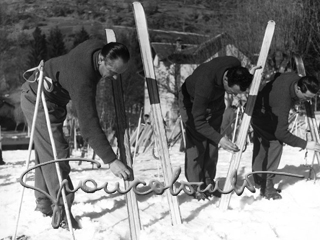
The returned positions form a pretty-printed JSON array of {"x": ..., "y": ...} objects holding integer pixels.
[
  {"x": 201, "y": 157},
  {"x": 266, "y": 155},
  {"x": 201, "y": 154},
  {"x": 46, "y": 177}
]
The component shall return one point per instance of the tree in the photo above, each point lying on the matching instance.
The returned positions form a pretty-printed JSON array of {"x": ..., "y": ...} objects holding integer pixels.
[
  {"x": 80, "y": 37},
  {"x": 4, "y": 16},
  {"x": 56, "y": 46},
  {"x": 97, "y": 31},
  {"x": 38, "y": 48},
  {"x": 12, "y": 61},
  {"x": 306, "y": 36}
]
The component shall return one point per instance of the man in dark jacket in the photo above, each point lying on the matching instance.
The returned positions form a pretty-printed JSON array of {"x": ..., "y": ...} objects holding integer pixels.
[
  {"x": 271, "y": 127},
  {"x": 202, "y": 106},
  {"x": 73, "y": 76}
]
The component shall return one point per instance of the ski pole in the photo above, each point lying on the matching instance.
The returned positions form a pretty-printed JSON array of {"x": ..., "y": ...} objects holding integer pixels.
[
  {"x": 40, "y": 83},
  {"x": 235, "y": 125},
  {"x": 137, "y": 136},
  {"x": 64, "y": 196},
  {"x": 35, "y": 114}
]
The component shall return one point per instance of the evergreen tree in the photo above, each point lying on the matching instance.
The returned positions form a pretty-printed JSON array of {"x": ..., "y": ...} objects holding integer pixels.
[
  {"x": 80, "y": 37},
  {"x": 306, "y": 35},
  {"x": 56, "y": 46},
  {"x": 38, "y": 48}
]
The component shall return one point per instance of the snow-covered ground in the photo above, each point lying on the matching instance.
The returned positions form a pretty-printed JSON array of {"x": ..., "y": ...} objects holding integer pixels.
[{"x": 104, "y": 216}]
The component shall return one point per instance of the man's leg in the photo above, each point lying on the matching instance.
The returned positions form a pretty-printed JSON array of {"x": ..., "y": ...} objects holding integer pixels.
[
  {"x": 259, "y": 159},
  {"x": 274, "y": 157},
  {"x": 210, "y": 168},
  {"x": 195, "y": 148},
  {"x": 210, "y": 161},
  {"x": 195, "y": 154},
  {"x": 266, "y": 157},
  {"x": 43, "y": 203},
  {"x": 46, "y": 177}
]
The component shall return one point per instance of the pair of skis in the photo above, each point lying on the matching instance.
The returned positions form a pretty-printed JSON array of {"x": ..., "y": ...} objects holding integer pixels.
[
  {"x": 156, "y": 114},
  {"x": 241, "y": 140},
  {"x": 124, "y": 147},
  {"x": 157, "y": 124}
]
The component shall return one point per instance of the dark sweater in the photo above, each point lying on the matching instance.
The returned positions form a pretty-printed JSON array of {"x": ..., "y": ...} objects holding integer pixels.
[
  {"x": 204, "y": 90},
  {"x": 272, "y": 107},
  {"x": 75, "y": 77}
]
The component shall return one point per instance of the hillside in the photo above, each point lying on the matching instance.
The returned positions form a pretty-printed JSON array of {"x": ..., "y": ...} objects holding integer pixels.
[
  {"x": 19, "y": 19},
  {"x": 23, "y": 16},
  {"x": 244, "y": 21}
]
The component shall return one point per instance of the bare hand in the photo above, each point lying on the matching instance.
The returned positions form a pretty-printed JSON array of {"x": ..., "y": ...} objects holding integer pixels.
[
  {"x": 314, "y": 146},
  {"x": 119, "y": 169},
  {"x": 226, "y": 144}
]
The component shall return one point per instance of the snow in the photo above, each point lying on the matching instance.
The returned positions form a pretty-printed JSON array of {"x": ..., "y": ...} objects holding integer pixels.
[{"x": 104, "y": 216}]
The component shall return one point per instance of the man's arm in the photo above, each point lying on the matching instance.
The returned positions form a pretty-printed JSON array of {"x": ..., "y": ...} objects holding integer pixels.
[
  {"x": 199, "y": 113},
  {"x": 91, "y": 130},
  {"x": 282, "y": 133}
]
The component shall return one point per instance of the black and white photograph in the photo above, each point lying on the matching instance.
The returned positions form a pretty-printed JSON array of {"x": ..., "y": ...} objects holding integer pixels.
[{"x": 175, "y": 120}]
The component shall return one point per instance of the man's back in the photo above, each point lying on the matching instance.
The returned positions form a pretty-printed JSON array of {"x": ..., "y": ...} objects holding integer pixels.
[{"x": 272, "y": 107}]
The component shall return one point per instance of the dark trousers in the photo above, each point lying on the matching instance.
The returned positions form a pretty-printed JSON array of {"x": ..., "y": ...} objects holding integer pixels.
[
  {"x": 46, "y": 177},
  {"x": 266, "y": 155},
  {"x": 201, "y": 157}
]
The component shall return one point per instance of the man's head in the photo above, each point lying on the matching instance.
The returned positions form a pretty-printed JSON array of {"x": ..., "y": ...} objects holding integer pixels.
[
  {"x": 307, "y": 88},
  {"x": 237, "y": 80},
  {"x": 113, "y": 59}
]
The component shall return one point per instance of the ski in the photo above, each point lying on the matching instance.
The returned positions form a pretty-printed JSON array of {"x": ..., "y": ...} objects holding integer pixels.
[
  {"x": 241, "y": 140},
  {"x": 125, "y": 148},
  {"x": 311, "y": 119},
  {"x": 157, "y": 119}
]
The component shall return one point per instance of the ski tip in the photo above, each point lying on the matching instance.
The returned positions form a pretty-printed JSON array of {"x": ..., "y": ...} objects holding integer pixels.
[
  {"x": 137, "y": 4},
  {"x": 138, "y": 10},
  {"x": 271, "y": 22},
  {"x": 110, "y": 35}
]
